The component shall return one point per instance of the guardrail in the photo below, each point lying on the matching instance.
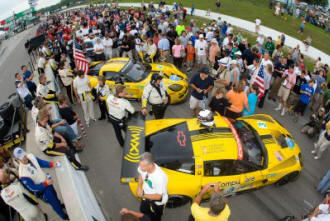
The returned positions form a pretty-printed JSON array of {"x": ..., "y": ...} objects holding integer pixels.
[{"x": 76, "y": 192}]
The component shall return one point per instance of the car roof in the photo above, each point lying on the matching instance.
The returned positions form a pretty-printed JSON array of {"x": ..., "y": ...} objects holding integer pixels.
[{"x": 215, "y": 144}]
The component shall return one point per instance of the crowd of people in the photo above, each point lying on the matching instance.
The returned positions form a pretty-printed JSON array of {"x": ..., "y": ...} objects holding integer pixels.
[{"x": 233, "y": 78}]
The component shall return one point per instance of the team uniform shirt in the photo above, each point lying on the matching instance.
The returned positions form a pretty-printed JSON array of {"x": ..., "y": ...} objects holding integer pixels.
[
  {"x": 107, "y": 43},
  {"x": 41, "y": 62},
  {"x": 118, "y": 107},
  {"x": 31, "y": 174},
  {"x": 153, "y": 95},
  {"x": 202, "y": 213},
  {"x": 13, "y": 195},
  {"x": 155, "y": 183},
  {"x": 201, "y": 47},
  {"x": 42, "y": 90},
  {"x": 103, "y": 91},
  {"x": 44, "y": 137}
]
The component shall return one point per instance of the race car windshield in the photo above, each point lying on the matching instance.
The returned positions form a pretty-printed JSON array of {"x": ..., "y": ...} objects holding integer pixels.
[
  {"x": 135, "y": 71},
  {"x": 250, "y": 140}
]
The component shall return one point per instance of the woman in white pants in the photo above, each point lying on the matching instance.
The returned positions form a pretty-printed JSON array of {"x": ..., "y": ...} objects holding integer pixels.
[{"x": 82, "y": 90}]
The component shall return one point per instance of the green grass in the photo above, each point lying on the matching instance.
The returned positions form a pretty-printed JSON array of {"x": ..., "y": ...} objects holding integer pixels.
[{"x": 250, "y": 9}]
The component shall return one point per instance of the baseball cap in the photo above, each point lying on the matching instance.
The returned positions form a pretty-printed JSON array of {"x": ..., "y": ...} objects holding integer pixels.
[
  {"x": 189, "y": 42},
  {"x": 224, "y": 61},
  {"x": 233, "y": 62},
  {"x": 201, "y": 36},
  {"x": 204, "y": 71},
  {"x": 238, "y": 53},
  {"x": 19, "y": 153}
]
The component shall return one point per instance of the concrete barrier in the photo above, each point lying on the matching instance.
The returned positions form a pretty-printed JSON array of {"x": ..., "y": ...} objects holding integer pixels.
[{"x": 76, "y": 192}]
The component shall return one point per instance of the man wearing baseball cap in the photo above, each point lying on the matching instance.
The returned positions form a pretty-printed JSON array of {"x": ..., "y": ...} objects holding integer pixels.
[
  {"x": 201, "y": 83},
  {"x": 35, "y": 180},
  {"x": 201, "y": 51}
]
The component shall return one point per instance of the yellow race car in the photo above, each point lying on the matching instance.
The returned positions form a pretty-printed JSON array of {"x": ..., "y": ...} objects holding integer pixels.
[
  {"x": 135, "y": 76},
  {"x": 247, "y": 154}
]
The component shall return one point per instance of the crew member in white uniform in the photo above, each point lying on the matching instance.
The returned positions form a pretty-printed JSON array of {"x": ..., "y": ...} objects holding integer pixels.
[
  {"x": 118, "y": 108},
  {"x": 82, "y": 89},
  {"x": 43, "y": 91},
  {"x": 15, "y": 195},
  {"x": 155, "y": 94},
  {"x": 35, "y": 180},
  {"x": 107, "y": 43},
  {"x": 152, "y": 187},
  {"x": 102, "y": 91}
]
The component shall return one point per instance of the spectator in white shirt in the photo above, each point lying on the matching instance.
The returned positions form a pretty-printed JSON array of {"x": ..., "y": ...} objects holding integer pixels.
[
  {"x": 258, "y": 23},
  {"x": 107, "y": 43},
  {"x": 41, "y": 63},
  {"x": 201, "y": 51},
  {"x": 99, "y": 50}
]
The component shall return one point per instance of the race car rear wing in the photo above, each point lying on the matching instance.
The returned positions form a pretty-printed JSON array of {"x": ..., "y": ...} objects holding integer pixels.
[{"x": 134, "y": 146}]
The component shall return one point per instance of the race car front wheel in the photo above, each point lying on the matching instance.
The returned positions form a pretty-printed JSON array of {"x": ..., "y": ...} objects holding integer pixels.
[
  {"x": 177, "y": 201},
  {"x": 291, "y": 177}
]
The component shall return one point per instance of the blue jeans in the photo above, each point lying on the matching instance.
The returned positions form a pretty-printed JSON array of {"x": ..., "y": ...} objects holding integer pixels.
[
  {"x": 65, "y": 130},
  {"x": 324, "y": 185}
]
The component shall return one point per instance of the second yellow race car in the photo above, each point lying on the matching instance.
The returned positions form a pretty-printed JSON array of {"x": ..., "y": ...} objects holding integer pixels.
[
  {"x": 247, "y": 154},
  {"x": 135, "y": 75}
]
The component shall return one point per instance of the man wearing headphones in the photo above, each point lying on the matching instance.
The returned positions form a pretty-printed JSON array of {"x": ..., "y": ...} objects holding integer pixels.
[
  {"x": 155, "y": 93},
  {"x": 118, "y": 108}
]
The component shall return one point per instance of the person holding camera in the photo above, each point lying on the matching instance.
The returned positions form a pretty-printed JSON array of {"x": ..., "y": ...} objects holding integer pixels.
[
  {"x": 118, "y": 108},
  {"x": 218, "y": 209},
  {"x": 102, "y": 91},
  {"x": 155, "y": 94},
  {"x": 289, "y": 81}
]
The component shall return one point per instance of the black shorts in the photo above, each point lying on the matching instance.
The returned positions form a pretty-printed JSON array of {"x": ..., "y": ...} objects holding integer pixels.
[
  {"x": 233, "y": 115},
  {"x": 300, "y": 107}
]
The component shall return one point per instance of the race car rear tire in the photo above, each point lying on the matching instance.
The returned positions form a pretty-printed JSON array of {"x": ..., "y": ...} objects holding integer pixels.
[
  {"x": 291, "y": 177},
  {"x": 175, "y": 201}
]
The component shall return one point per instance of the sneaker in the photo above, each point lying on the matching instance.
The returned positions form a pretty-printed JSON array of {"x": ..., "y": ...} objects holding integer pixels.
[
  {"x": 283, "y": 112},
  {"x": 316, "y": 158},
  {"x": 279, "y": 107},
  {"x": 313, "y": 151},
  {"x": 83, "y": 168},
  {"x": 79, "y": 137},
  {"x": 94, "y": 119}
]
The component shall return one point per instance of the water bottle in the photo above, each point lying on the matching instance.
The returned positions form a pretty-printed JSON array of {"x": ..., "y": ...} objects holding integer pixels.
[{"x": 204, "y": 103}]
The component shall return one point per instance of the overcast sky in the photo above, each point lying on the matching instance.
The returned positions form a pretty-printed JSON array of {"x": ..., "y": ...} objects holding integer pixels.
[{"x": 8, "y": 6}]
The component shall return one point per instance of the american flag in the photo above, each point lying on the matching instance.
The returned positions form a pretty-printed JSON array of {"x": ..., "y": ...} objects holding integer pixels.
[
  {"x": 260, "y": 81},
  {"x": 80, "y": 58}
]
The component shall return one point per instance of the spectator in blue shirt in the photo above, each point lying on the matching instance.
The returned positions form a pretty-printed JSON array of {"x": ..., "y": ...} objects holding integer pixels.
[
  {"x": 306, "y": 91},
  {"x": 224, "y": 28},
  {"x": 28, "y": 79},
  {"x": 164, "y": 47},
  {"x": 252, "y": 101}
]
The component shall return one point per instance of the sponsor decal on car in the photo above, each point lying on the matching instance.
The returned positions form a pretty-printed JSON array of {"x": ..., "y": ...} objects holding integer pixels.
[
  {"x": 133, "y": 154},
  {"x": 290, "y": 143},
  {"x": 238, "y": 141},
  {"x": 262, "y": 125}
]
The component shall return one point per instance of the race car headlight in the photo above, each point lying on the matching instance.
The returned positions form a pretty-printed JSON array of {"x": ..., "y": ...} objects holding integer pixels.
[{"x": 175, "y": 87}]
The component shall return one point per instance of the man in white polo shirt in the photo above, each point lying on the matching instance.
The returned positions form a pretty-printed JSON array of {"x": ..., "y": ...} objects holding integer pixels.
[
  {"x": 152, "y": 187},
  {"x": 201, "y": 51}
]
